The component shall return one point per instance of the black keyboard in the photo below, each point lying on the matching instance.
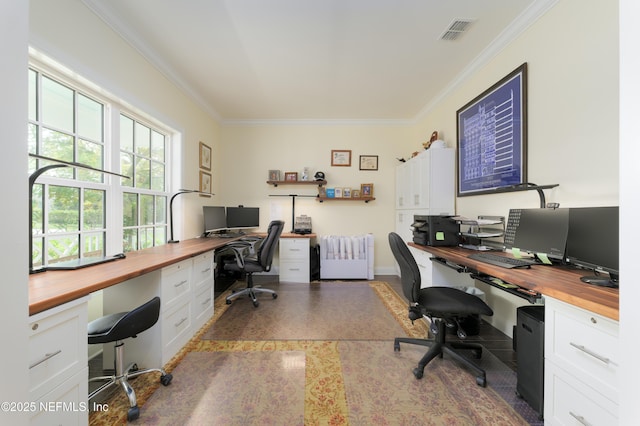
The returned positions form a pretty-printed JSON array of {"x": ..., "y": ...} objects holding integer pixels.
[{"x": 501, "y": 261}]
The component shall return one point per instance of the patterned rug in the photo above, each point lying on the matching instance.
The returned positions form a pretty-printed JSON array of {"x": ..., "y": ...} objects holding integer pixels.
[{"x": 346, "y": 382}]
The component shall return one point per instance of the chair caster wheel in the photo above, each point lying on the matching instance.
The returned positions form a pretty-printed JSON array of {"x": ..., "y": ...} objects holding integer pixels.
[
  {"x": 256, "y": 303},
  {"x": 275, "y": 296},
  {"x": 228, "y": 302},
  {"x": 418, "y": 373},
  {"x": 477, "y": 353},
  {"x": 481, "y": 381},
  {"x": 133, "y": 413},
  {"x": 166, "y": 379}
]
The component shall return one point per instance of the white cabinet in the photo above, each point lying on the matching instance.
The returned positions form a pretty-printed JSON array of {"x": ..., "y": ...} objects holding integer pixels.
[
  {"x": 425, "y": 185},
  {"x": 202, "y": 302},
  {"x": 294, "y": 260},
  {"x": 581, "y": 366},
  {"x": 58, "y": 363}
]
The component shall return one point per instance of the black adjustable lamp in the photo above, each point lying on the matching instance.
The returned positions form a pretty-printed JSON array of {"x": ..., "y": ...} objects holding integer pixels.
[
  {"x": 32, "y": 181},
  {"x": 180, "y": 191}
]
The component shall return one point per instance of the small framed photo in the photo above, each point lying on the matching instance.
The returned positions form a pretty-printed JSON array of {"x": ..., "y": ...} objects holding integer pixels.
[
  {"x": 205, "y": 183},
  {"x": 322, "y": 191},
  {"x": 355, "y": 193},
  {"x": 274, "y": 175},
  {"x": 205, "y": 156},
  {"x": 341, "y": 157},
  {"x": 368, "y": 162},
  {"x": 366, "y": 190},
  {"x": 338, "y": 192},
  {"x": 346, "y": 192},
  {"x": 291, "y": 176}
]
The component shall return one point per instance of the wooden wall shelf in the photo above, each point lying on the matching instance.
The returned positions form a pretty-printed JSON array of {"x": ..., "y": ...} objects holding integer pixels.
[
  {"x": 297, "y": 182},
  {"x": 365, "y": 199}
]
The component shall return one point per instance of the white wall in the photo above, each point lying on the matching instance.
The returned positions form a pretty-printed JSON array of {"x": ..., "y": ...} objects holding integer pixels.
[{"x": 13, "y": 166}]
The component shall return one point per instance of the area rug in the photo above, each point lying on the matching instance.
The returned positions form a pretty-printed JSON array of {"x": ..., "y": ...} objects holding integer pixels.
[
  {"x": 316, "y": 311},
  {"x": 232, "y": 388},
  {"x": 346, "y": 382}
]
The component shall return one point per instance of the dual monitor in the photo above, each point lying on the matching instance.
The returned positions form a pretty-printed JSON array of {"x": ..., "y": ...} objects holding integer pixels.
[
  {"x": 219, "y": 219},
  {"x": 583, "y": 236}
]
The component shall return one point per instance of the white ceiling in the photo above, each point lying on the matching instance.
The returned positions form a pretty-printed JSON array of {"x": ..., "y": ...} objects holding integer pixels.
[{"x": 316, "y": 59}]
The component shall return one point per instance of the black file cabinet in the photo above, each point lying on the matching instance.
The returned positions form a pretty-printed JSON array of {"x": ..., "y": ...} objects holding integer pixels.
[{"x": 530, "y": 356}]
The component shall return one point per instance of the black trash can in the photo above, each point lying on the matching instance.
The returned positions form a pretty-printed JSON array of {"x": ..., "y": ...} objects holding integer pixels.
[{"x": 530, "y": 356}]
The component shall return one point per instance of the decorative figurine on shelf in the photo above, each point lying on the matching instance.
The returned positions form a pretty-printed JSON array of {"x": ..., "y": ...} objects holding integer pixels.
[
  {"x": 434, "y": 137},
  {"x": 305, "y": 174}
]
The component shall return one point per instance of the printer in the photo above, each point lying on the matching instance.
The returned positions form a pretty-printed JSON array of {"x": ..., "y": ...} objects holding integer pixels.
[{"x": 435, "y": 230}]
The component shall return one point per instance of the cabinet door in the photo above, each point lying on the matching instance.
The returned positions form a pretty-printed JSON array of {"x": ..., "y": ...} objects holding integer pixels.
[
  {"x": 403, "y": 183},
  {"x": 420, "y": 180}
]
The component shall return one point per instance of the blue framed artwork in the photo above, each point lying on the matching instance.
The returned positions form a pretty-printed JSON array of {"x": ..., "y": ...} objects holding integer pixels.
[{"x": 492, "y": 137}]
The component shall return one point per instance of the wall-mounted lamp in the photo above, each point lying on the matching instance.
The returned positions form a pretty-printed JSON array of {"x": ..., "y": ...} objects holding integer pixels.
[
  {"x": 180, "y": 191},
  {"x": 32, "y": 181}
]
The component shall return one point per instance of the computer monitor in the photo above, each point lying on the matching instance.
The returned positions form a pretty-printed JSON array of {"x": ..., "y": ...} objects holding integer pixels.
[
  {"x": 542, "y": 232},
  {"x": 243, "y": 217},
  {"x": 215, "y": 218},
  {"x": 592, "y": 243}
]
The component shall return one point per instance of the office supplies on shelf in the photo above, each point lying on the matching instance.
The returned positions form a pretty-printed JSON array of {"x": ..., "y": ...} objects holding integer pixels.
[
  {"x": 502, "y": 261},
  {"x": 435, "y": 230}
]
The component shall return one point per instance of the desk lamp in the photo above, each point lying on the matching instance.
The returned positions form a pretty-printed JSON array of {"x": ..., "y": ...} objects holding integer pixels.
[{"x": 180, "y": 191}]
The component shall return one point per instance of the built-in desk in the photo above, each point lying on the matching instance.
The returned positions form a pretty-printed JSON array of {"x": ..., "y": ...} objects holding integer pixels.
[{"x": 581, "y": 348}]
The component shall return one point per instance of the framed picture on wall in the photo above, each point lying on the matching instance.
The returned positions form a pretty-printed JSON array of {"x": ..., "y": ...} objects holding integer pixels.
[
  {"x": 205, "y": 156},
  {"x": 368, "y": 162},
  {"x": 205, "y": 183},
  {"x": 341, "y": 157},
  {"x": 492, "y": 137}
]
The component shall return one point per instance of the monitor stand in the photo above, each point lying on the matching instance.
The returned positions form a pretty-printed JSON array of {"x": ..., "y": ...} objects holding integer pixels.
[{"x": 600, "y": 281}]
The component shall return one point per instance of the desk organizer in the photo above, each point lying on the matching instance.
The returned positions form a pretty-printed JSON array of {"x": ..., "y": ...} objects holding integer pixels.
[{"x": 346, "y": 257}]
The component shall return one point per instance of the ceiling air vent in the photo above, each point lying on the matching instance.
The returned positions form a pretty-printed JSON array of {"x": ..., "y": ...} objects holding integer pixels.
[{"x": 456, "y": 29}]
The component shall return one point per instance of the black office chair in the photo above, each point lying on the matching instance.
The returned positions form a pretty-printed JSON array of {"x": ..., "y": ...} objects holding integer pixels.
[
  {"x": 259, "y": 261},
  {"x": 115, "y": 328},
  {"x": 443, "y": 306}
]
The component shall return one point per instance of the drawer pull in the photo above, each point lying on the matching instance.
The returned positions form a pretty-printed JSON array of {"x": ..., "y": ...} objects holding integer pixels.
[
  {"x": 294, "y": 269},
  {"x": 580, "y": 419},
  {"x": 183, "y": 282},
  {"x": 206, "y": 302},
  {"x": 204, "y": 271},
  {"x": 46, "y": 357},
  {"x": 179, "y": 323},
  {"x": 593, "y": 354},
  {"x": 294, "y": 249}
]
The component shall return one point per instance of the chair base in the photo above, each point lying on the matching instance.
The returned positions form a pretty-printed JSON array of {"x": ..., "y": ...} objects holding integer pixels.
[
  {"x": 252, "y": 292},
  {"x": 438, "y": 347},
  {"x": 122, "y": 376}
]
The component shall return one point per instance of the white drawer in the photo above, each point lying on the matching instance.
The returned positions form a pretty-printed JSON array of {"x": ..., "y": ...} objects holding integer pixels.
[
  {"x": 294, "y": 248},
  {"x": 567, "y": 401},
  {"x": 203, "y": 270},
  {"x": 583, "y": 343},
  {"x": 176, "y": 327},
  {"x": 294, "y": 271},
  {"x": 202, "y": 307},
  {"x": 176, "y": 283},
  {"x": 66, "y": 405},
  {"x": 57, "y": 346}
]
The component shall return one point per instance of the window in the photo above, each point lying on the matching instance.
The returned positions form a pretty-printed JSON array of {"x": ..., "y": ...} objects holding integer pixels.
[{"x": 75, "y": 210}]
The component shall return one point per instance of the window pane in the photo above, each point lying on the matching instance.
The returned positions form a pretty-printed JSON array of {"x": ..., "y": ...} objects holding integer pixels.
[
  {"x": 90, "y": 154},
  {"x": 142, "y": 140},
  {"x": 33, "y": 95},
  {"x": 126, "y": 133},
  {"x": 89, "y": 121},
  {"x": 142, "y": 179},
  {"x": 146, "y": 210},
  {"x": 160, "y": 235},
  {"x": 130, "y": 240},
  {"x": 126, "y": 168},
  {"x": 57, "y": 105},
  {"x": 129, "y": 209},
  {"x": 32, "y": 143},
  {"x": 157, "y": 176},
  {"x": 63, "y": 248},
  {"x": 93, "y": 244},
  {"x": 37, "y": 218},
  {"x": 59, "y": 146},
  {"x": 36, "y": 254},
  {"x": 161, "y": 210},
  {"x": 146, "y": 238},
  {"x": 157, "y": 146},
  {"x": 64, "y": 209},
  {"x": 93, "y": 209}
]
